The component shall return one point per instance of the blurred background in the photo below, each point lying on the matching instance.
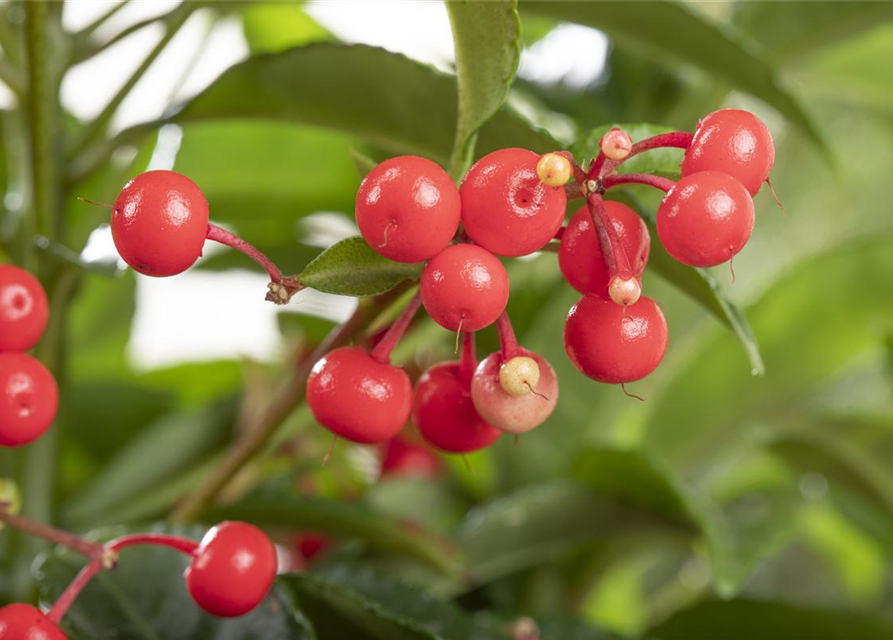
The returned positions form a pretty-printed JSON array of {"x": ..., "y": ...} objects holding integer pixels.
[{"x": 724, "y": 500}]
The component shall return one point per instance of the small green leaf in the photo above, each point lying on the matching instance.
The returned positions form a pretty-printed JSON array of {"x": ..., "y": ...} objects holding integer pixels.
[
  {"x": 487, "y": 37},
  {"x": 352, "y": 268},
  {"x": 661, "y": 161},
  {"x": 10, "y": 497},
  {"x": 362, "y": 162}
]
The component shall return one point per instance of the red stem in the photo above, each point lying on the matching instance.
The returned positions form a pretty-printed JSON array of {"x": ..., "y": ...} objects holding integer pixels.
[
  {"x": 508, "y": 343},
  {"x": 674, "y": 139},
  {"x": 92, "y": 550},
  {"x": 223, "y": 236},
  {"x": 467, "y": 362},
  {"x": 596, "y": 169},
  {"x": 614, "y": 255},
  {"x": 178, "y": 543},
  {"x": 382, "y": 351},
  {"x": 61, "y": 606},
  {"x": 664, "y": 184}
]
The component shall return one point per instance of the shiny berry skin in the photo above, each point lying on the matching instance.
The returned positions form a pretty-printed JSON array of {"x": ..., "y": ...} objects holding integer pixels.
[
  {"x": 508, "y": 413},
  {"x": 23, "y": 309},
  {"x": 580, "y": 253},
  {"x": 734, "y": 142},
  {"x": 408, "y": 209},
  {"x": 29, "y": 398},
  {"x": 358, "y": 398},
  {"x": 233, "y": 569},
  {"x": 406, "y": 459},
  {"x": 159, "y": 223},
  {"x": 506, "y": 209},
  {"x": 705, "y": 219},
  {"x": 444, "y": 413},
  {"x": 464, "y": 287},
  {"x": 24, "y": 622},
  {"x": 615, "y": 344}
]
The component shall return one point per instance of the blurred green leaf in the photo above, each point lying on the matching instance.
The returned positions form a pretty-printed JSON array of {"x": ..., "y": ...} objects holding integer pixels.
[
  {"x": 276, "y": 26},
  {"x": 487, "y": 40},
  {"x": 750, "y": 619},
  {"x": 363, "y": 163},
  {"x": 661, "y": 161},
  {"x": 352, "y": 268}
]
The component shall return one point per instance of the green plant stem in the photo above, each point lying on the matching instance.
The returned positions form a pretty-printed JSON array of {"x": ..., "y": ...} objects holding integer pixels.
[
  {"x": 11, "y": 77},
  {"x": 84, "y": 34},
  {"x": 260, "y": 432},
  {"x": 87, "y": 51}
]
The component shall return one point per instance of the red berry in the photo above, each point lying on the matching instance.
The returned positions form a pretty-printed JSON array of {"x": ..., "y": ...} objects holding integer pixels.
[
  {"x": 23, "y": 309},
  {"x": 507, "y": 412},
  {"x": 28, "y": 399},
  {"x": 233, "y": 569},
  {"x": 444, "y": 413},
  {"x": 24, "y": 622},
  {"x": 506, "y": 208},
  {"x": 580, "y": 253},
  {"x": 159, "y": 223},
  {"x": 408, "y": 209},
  {"x": 358, "y": 398},
  {"x": 615, "y": 344},
  {"x": 734, "y": 142},
  {"x": 705, "y": 219},
  {"x": 464, "y": 287},
  {"x": 402, "y": 458}
]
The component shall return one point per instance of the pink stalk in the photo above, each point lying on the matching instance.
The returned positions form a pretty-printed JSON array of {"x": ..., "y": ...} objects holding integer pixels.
[
  {"x": 382, "y": 351},
  {"x": 664, "y": 184},
  {"x": 508, "y": 343}
]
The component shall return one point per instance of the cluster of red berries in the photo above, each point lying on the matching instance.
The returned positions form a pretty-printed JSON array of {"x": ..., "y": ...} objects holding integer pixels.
[
  {"x": 231, "y": 571},
  {"x": 512, "y": 203},
  {"x": 28, "y": 393}
]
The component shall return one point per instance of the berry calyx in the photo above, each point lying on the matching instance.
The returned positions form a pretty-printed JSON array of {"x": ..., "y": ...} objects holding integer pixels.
[
  {"x": 615, "y": 344},
  {"x": 25, "y": 622},
  {"x": 406, "y": 459},
  {"x": 357, "y": 397},
  {"x": 501, "y": 405},
  {"x": 580, "y": 256},
  {"x": 159, "y": 223},
  {"x": 23, "y": 309},
  {"x": 408, "y": 209},
  {"x": 29, "y": 398},
  {"x": 735, "y": 142},
  {"x": 464, "y": 288},
  {"x": 616, "y": 144},
  {"x": 553, "y": 169},
  {"x": 506, "y": 208},
  {"x": 705, "y": 219},
  {"x": 444, "y": 413},
  {"x": 232, "y": 569}
]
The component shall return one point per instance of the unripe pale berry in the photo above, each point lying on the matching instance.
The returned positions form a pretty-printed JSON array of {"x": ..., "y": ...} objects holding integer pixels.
[
  {"x": 553, "y": 169},
  {"x": 616, "y": 144},
  {"x": 624, "y": 290},
  {"x": 29, "y": 398},
  {"x": 232, "y": 570},
  {"x": 159, "y": 223},
  {"x": 25, "y": 622},
  {"x": 358, "y": 398},
  {"x": 408, "y": 209},
  {"x": 705, "y": 219},
  {"x": 509, "y": 412},
  {"x": 506, "y": 209},
  {"x": 580, "y": 255},
  {"x": 615, "y": 344},
  {"x": 464, "y": 287},
  {"x": 444, "y": 413},
  {"x": 519, "y": 376},
  {"x": 734, "y": 142},
  {"x": 23, "y": 309}
]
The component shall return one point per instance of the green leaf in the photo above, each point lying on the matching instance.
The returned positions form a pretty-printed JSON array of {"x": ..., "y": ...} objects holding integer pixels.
[
  {"x": 352, "y": 268},
  {"x": 749, "y": 619},
  {"x": 363, "y": 163},
  {"x": 671, "y": 30},
  {"x": 276, "y": 26},
  {"x": 487, "y": 37},
  {"x": 660, "y": 161},
  {"x": 145, "y": 598}
]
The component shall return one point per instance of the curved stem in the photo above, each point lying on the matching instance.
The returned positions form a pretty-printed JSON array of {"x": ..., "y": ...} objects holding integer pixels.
[
  {"x": 612, "y": 251},
  {"x": 508, "y": 343},
  {"x": 673, "y": 139},
  {"x": 468, "y": 360},
  {"x": 664, "y": 184},
  {"x": 73, "y": 590},
  {"x": 92, "y": 550},
  {"x": 382, "y": 351},
  {"x": 218, "y": 234},
  {"x": 177, "y": 543}
]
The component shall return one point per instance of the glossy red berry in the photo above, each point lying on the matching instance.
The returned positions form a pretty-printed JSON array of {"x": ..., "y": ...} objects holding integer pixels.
[
  {"x": 233, "y": 569},
  {"x": 159, "y": 223},
  {"x": 28, "y": 399},
  {"x": 580, "y": 255},
  {"x": 444, "y": 413},
  {"x": 464, "y": 287},
  {"x": 513, "y": 413},
  {"x": 403, "y": 458},
  {"x": 408, "y": 209},
  {"x": 23, "y": 309},
  {"x": 615, "y": 344},
  {"x": 506, "y": 208},
  {"x": 705, "y": 219},
  {"x": 358, "y": 398},
  {"x": 24, "y": 622},
  {"x": 734, "y": 142}
]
